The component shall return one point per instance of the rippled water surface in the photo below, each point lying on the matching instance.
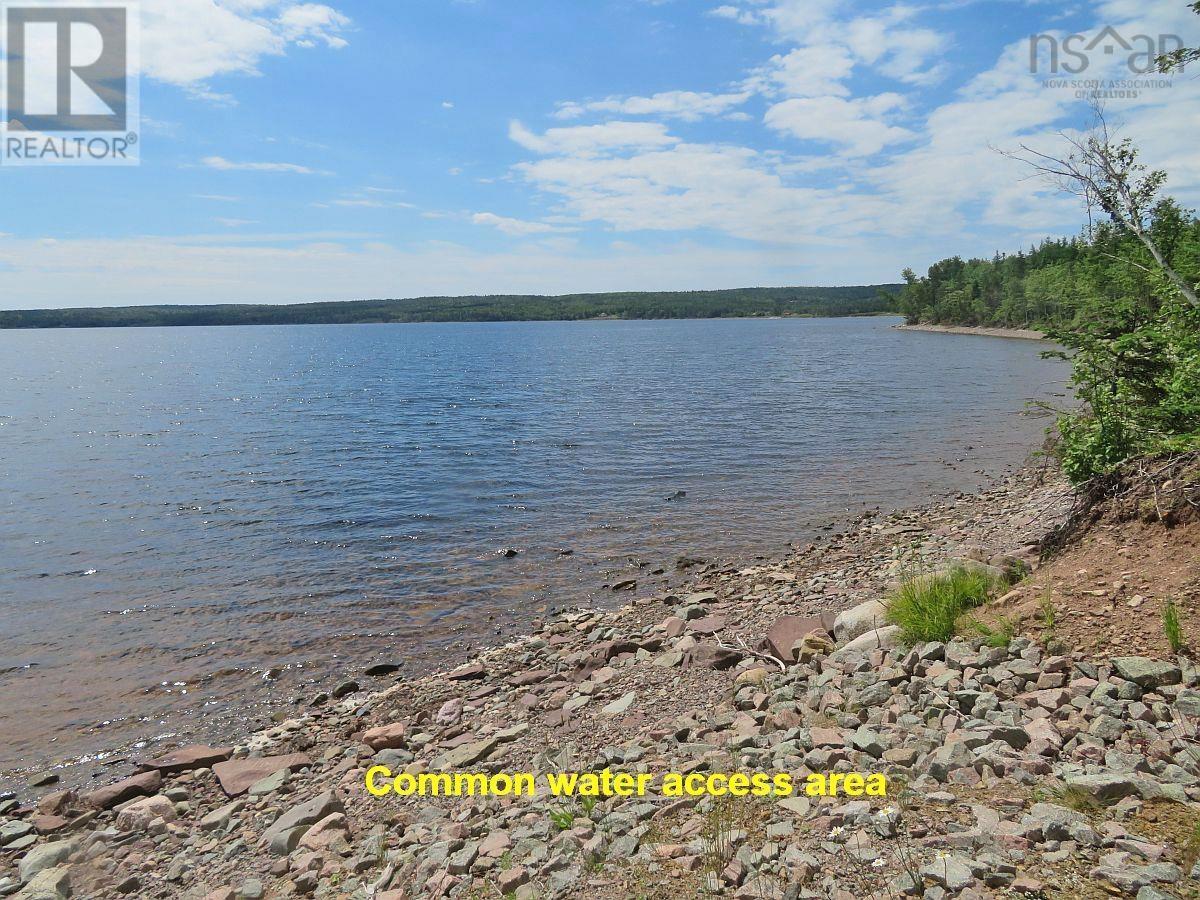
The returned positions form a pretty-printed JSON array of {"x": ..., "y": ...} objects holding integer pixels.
[{"x": 183, "y": 508}]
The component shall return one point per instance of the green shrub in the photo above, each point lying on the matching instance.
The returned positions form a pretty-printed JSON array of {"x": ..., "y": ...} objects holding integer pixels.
[{"x": 927, "y": 607}]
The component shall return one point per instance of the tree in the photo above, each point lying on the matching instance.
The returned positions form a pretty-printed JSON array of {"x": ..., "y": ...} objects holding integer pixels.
[
  {"x": 1177, "y": 59},
  {"x": 1105, "y": 172}
]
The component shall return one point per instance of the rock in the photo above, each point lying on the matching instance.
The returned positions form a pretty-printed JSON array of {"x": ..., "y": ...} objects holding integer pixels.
[
  {"x": 1107, "y": 787},
  {"x": 48, "y": 884},
  {"x": 237, "y": 775},
  {"x": 12, "y": 830},
  {"x": 138, "y": 815},
  {"x": 386, "y": 737},
  {"x": 951, "y": 872},
  {"x": 379, "y": 670},
  {"x": 466, "y": 755},
  {"x": 43, "y": 779},
  {"x": 868, "y": 742},
  {"x": 251, "y": 889},
  {"x": 1147, "y": 673},
  {"x": 881, "y": 639},
  {"x": 218, "y": 819},
  {"x": 755, "y": 676},
  {"x": 450, "y": 712},
  {"x": 272, "y": 783},
  {"x": 859, "y": 620},
  {"x": 326, "y": 834},
  {"x": 194, "y": 756},
  {"x": 287, "y": 830},
  {"x": 620, "y": 706},
  {"x": 345, "y": 689},
  {"x": 711, "y": 656},
  {"x": 44, "y": 856},
  {"x": 510, "y": 879},
  {"x": 625, "y": 584},
  {"x": 467, "y": 673},
  {"x": 138, "y": 786},
  {"x": 787, "y": 631}
]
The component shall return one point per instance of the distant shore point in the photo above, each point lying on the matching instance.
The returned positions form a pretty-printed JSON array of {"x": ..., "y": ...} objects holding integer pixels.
[{"x": 1026, "y": 334}]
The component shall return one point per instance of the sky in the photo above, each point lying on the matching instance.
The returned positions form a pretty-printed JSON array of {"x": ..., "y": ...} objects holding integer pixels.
[{"x": 296, "y": 151}]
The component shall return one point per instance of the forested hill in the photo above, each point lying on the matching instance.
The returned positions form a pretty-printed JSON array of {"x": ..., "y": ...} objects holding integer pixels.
[
  {"x": 744, "y": 302},
  {"x": 1058, "y": 283}
]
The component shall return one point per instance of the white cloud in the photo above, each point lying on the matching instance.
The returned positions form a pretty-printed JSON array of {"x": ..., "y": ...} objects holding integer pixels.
[
  {"x": 686, "y": 105},
  {"x": 855, "y": 125},
  {"x": 188, "y": 42},
  {"x": 511, "y": 227},
  {"x": 592, "y": 139},
  {"x": 225, "y": 165}
]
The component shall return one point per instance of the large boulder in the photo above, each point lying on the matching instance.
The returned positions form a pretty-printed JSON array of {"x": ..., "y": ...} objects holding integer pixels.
[
  {"x": 880, "y": 639},
  {"x": 859, "y": 620}
]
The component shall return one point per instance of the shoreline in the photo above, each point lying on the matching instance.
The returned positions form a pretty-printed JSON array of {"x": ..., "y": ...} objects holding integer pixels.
[{"x": 1025, "y": 334}]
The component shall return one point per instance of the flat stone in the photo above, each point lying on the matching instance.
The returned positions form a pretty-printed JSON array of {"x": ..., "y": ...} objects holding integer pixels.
[
  {"x": 467, "y": 673},
  {"x": 618, "y": 707},
  {"x": 466, "y": 755},
  {"x": 138, "y": 786},
  {"x": 194, "y": 756},
  {"x": 1146, "y": 673},
  {"x": 237, "y": 775}
]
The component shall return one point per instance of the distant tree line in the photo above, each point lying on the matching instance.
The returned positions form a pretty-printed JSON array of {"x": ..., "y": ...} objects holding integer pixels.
[
  {"x": 743, "y": 302},
  {"x": 1065, "y": 282}
]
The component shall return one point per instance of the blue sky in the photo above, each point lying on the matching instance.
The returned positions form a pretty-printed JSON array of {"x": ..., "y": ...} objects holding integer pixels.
[{"x": 302, "y": 151}]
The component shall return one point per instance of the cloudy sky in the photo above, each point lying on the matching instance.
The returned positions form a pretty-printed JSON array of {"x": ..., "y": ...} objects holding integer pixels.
[{"x": 299, "y": 151}]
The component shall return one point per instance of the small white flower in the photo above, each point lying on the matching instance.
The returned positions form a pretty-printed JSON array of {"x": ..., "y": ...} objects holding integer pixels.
[
  {"x": 879, "y": 863},
  {"x": 887, "y": 811},
  {"x": 837, "y": 832}
]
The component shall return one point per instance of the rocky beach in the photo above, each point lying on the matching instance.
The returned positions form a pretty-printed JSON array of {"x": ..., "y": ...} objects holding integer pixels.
[{"x": 1026, "y": 769}]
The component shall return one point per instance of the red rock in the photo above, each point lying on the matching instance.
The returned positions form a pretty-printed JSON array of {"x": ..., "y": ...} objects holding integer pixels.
[
  {"x": 138, "y": 786},
  {"x": 787, "y": 630},
  {"x": 673, "y": 626},
  {"x": 385, "y": 737},
  {"x": 535, "y": 676},
  {"x": 708, "y": 625},
  {"x": 195, "y": 756},
  {"x": 49, "y": 824},
  {"x": 827, "y": 738},
  {"x": 236, "y": 775},
  {"x": 467, "y": 673},
  {"x": 57, "y": 803}
]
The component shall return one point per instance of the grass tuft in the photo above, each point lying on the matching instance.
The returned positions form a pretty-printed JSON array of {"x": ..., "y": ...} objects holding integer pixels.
[
  {"x": 1001, "y": 635},
  {"x": 927, "y": 607},
  {"x": 1172, "y": 627}
]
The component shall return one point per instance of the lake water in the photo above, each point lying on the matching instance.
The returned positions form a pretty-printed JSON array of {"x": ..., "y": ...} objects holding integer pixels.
[{"x": 184, "y": 508}]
